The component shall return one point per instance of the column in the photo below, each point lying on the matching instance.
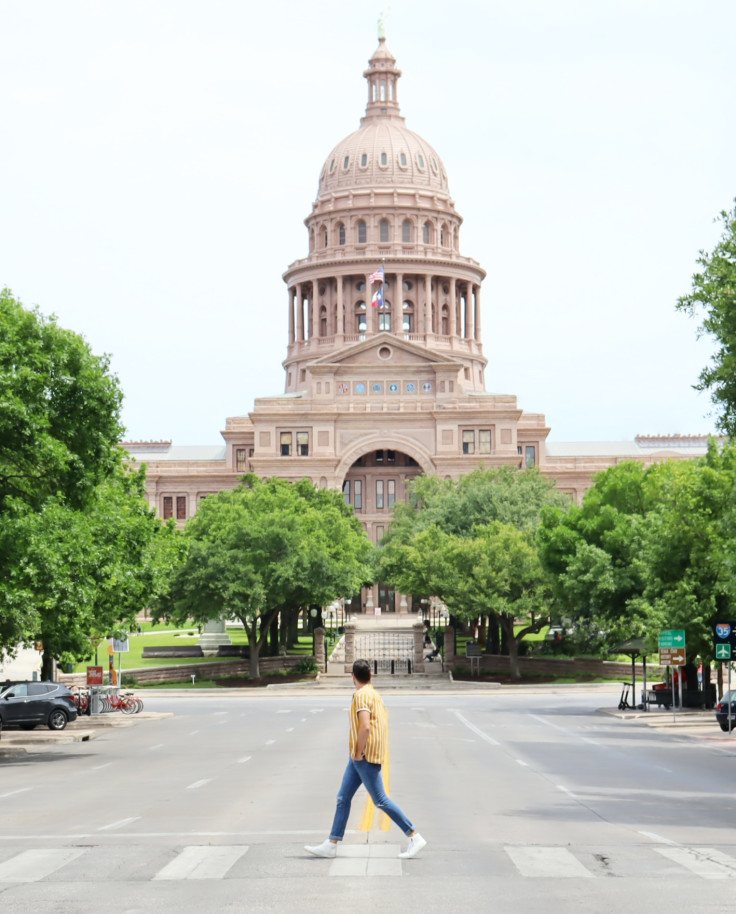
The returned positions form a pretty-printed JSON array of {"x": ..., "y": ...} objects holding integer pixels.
[
  {"x": 314, "y": 305},
  {"x": 291, "y": 314},
  {"x": 340, "y": 326},
  {"x": 371, "y": 315},
  {"x": 397, "y": 307},
  {"x": 300, "y": 313},
  {"x": 429, "y": 313},
  {"x": 470, "y": 313},
  {"x": 418, "y": 633},
  {"x": 453, "y": 309},
  {"x": 477, "y": 313}
]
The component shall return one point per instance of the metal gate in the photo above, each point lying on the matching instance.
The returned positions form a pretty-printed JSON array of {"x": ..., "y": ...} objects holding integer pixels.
[{"x": 387, "y": 652}]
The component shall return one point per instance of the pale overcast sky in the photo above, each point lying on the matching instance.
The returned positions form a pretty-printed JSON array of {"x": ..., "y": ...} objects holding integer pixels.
[{"x": 158, "y": 158}]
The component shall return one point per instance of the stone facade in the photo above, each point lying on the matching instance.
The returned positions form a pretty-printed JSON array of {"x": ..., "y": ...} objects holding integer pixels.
[{"x": 384, "y": 371}]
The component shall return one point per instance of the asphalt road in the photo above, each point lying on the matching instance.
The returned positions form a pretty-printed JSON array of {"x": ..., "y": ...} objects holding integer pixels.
[{"x": 530, "y": 802}]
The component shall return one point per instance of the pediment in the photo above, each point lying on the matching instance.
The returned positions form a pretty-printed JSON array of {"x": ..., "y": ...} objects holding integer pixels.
[{"x": 384, "y": 350}]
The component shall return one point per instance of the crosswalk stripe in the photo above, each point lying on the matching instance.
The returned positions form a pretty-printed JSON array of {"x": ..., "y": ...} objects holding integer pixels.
[
  {"x": 30, "y": 866},
  {"x": 547, "y": 862},
  {"x": 202, "y": 862},
  {"x": 705, "y": 862}
]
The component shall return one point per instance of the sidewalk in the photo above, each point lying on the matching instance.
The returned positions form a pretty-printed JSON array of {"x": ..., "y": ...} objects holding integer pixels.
[{"x": 13, "y": 742}]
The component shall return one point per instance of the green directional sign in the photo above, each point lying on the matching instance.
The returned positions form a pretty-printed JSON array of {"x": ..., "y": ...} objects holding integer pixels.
[
  {"x": 672, "y": 637},
  {"x": 723, "y": 651}
]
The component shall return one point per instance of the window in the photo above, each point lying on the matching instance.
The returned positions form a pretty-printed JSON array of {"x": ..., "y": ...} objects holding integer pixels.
[
  {"x": 286, "y": 444},
  {"x": 358, "y": 495},
  {"x": 341, "y": 234},
  {"x": 426, "y": 233},
  {"x": 468, "y": 442},
  {"x": 406, "y": 231},
  {"x": 390, "y": 456},
  {"x": 379, "y": 494},
  {"x": 530, "y": 456},
  {"x": 379, "y": 456},
  {"x": 384, "y": 321},
  {"x": 402, "y": 159},
  {"x": 407, "y": 323},
  {"x": 180, "y": 504},
  {"x": 361, "y": 324},
  {"x": 302, "y": 444},
  {"x": 420, "y": 161},
  {"x": 379, "y": 533},
  {"x": 384, "y": 159},
  {"x": 323, "y": 321},
  {"x": 383, "y": 230},
  {"x": 484, "y": 441},
  {"x": 361, "y": 232},
  {"x": 391, "y": 487},
  {"x": 346, "y": 491},
  {"x": 240, "y": 461},
  {"x": 363, "y": 160}
]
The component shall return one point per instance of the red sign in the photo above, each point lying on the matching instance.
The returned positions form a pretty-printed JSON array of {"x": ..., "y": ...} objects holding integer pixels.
[{"x": 94, "y": 675}]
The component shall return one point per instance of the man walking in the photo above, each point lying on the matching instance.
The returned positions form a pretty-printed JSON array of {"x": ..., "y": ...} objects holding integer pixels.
[{"x": 368, "y": 744}]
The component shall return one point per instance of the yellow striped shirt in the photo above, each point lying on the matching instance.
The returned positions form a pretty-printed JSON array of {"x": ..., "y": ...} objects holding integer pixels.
[{"x": 367, "y": 699}]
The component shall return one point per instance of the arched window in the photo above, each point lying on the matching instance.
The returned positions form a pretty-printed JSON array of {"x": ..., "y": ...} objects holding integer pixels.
[
  {"x": 383, "y": 230},
  {"x": 323, "y": 321},
  {"x": 407, "y": 316},
  {"x": 341, "y": 233},
  {"x": 384, "y": 320},
  {"x": 406, "y": 231},
  {"x": 445, "y": 321},
  {"x": 362, "y": 235},
  {"x": 426, "y": 233},
  {"x": 442, "y": 236}
]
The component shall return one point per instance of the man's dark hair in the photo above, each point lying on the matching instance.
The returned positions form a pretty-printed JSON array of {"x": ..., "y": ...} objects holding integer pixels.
[{"x": 362, "y": 670}]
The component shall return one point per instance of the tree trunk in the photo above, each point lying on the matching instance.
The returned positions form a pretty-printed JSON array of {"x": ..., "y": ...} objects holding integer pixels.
[
  {"x": 512, "y": 645},
  {"x": 47, "y": 667},
  {"x": 273, "y": 637},
  {"x": 493, "y": 637},
  {"x": 254, "y": 666}
]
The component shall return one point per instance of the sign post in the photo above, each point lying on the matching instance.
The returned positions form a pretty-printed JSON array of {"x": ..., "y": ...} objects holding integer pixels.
[{"x": 672, "y": 653}]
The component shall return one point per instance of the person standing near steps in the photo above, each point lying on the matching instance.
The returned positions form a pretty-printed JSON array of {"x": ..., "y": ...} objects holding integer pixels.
[{"x": 368, "y": 744}]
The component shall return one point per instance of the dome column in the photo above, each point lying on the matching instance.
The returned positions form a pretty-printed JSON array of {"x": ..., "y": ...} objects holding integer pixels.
[
  {"x": 340, "y": 329},
  {"x": 428, "y": 309},
  {"x": 292, "y": 298},
  {"x": 477, "y": 313},
  {"x": 300, "y": 313},
  {"x": 469, "y": 313},
  {"x": 453, "y": 309},
  {"x": 314, "y": 311},
  {"x": 397, "y": 307}
]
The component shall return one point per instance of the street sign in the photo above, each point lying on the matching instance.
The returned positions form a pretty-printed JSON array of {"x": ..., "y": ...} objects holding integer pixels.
[
  {"x": 724, "y": 640},
  {"x": 122, "y": 646},
  {"x": 673, "y": 637},
  {"x": 94, "y": 675},
  {"x": 672, "y": 656}
]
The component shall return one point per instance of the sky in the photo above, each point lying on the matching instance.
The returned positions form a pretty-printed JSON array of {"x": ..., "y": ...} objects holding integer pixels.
[{"x": 158, "y": 159}]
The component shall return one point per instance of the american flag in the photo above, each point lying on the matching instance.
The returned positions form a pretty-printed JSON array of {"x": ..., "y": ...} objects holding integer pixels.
[
  {"x": 377, "y": 300},
  {"x": 377, "y": 276}
]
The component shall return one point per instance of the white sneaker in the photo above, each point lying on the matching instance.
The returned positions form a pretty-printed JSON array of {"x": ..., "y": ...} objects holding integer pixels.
[
  {"x": 416, "y": 843},
  {"x": 326, "y": 849}
]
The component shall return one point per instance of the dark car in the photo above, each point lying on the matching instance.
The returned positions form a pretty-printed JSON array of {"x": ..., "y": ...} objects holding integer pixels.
[
  {"x": 722, "y": 710},
  {"x": 28, "y": 704}
]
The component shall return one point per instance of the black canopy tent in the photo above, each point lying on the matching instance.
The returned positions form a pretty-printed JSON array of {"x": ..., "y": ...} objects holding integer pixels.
[{"x": 634, "y": 647}]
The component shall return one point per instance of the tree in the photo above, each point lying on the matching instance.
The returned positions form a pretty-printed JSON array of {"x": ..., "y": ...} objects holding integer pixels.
[
  {"x": 714, "y": 293},
  {"x": 266, "y": 547},
  {"x": 460, "y": 539},
  {"x": 59, "y": 411},
  {"x": 72, "y": 571},
  {"x": 494, "y": 569}
]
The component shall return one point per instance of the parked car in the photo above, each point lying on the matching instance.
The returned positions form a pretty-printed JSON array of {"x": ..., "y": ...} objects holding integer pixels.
[
  {"x": 28, "y": 704},
  {"x": 722, "y": 710}
]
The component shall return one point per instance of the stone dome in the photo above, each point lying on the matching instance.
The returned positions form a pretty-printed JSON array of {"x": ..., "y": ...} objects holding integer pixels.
[{"x": 383, "y": 152}]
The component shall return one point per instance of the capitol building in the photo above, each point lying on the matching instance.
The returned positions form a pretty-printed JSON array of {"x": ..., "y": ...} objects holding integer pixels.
[{"x": 384, "y": 368}]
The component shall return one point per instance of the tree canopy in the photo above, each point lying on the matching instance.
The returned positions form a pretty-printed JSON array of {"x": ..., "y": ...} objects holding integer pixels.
[
  {"x": 470, "y": 542},
  {"x": 265, "y": 547},
  {"x": 59, "y": 410},
  {"x": 713, "y": 295}
]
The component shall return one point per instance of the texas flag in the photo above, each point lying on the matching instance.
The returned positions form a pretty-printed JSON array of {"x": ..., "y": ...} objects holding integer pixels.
[
  {"x": 378, "y": 275},
  {"x": 377, "y": 300}
]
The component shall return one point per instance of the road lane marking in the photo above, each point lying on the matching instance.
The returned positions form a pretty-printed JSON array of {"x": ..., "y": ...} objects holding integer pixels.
[
  {"x": 194, "y": 732},
  {"x": 119, "y": 824},
  {"x": 157, "y": 746},
  {"x": 270, "y": 742},
  {"x": 480, "y": 733},
  {"x": 520, "y": 762},
  {"x": 565, "y": 790},
  {"x": 197, "y": 784},
  {"x": 31, "y": 866},
  {"x": 284, "y": 711},
  {"x": 658, "y": 838},
  {"x": 547, "y": 862},
  {"x": 289, "y": 730},
  {"x": 245, "y": 758},
  {"x": 565, "y": 730},
  {"x": 201, "y": 862},
  {"x": 100, "y": 767},
  {"x": 12, "y": 793},
  {"x": 703, "y": 861}
]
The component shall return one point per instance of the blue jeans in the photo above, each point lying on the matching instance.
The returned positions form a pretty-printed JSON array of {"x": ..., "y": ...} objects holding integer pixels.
[{"x": 369, "y": 775}]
